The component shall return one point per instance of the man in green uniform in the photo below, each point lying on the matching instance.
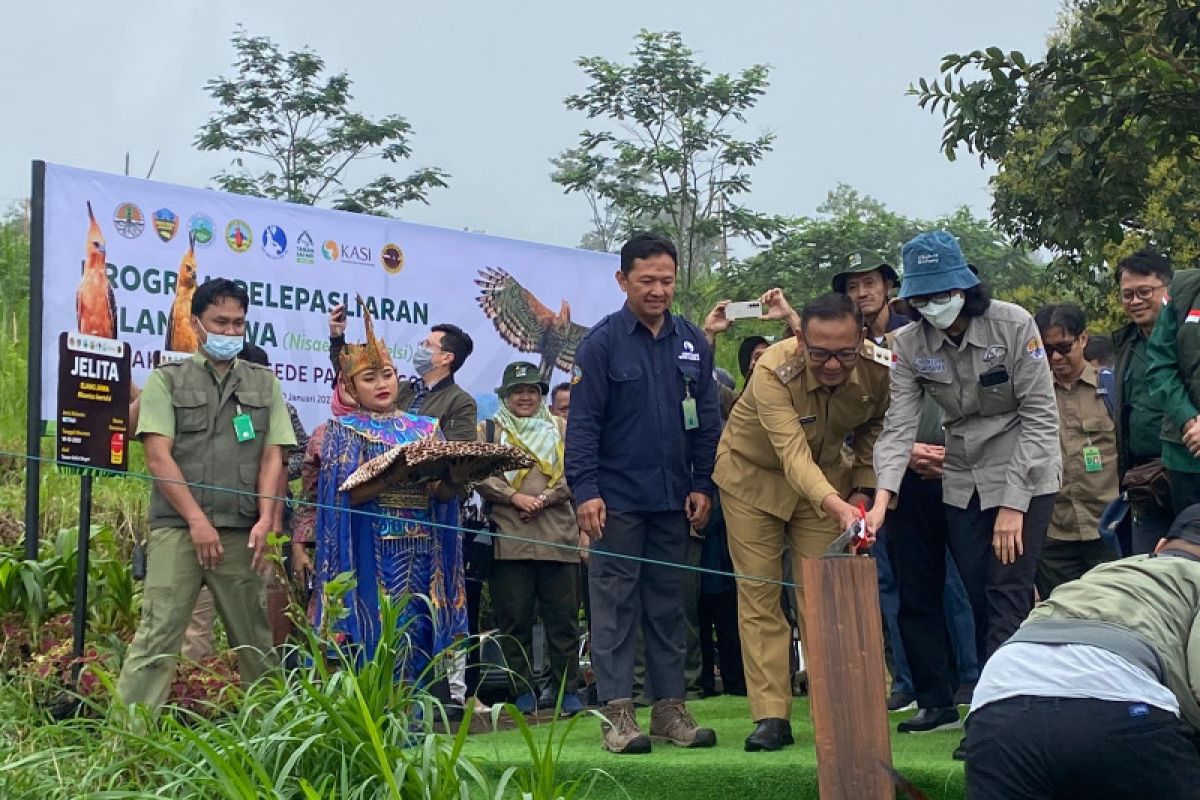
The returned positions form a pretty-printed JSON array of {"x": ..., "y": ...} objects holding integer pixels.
[
  {"x": 1173, "y": 372},
  {"x": 1143, "y": 280},
  {"x": 214, "y": 429}
]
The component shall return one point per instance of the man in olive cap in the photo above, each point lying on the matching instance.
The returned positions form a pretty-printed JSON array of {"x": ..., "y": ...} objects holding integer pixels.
[{"x": 868, "y": 281}]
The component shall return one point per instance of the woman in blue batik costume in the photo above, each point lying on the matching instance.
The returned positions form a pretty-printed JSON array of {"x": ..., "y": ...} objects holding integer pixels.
[{"x": 398, "y": 538}]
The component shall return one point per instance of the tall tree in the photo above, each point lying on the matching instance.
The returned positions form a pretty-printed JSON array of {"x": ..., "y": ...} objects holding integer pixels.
[
  {"x": 598, "y": 182},
  {"x": 294, "y": 135},
  {"x": 1096, "y": 143},
  {"x": 669, "y": 156},
  {"x": 804, "y": 259}
]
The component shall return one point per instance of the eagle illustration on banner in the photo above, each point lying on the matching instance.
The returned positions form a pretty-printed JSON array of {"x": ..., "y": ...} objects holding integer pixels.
[
  {"x": 527, "y": 324},
  {"x": 181, "y": 338},
  {"x": 95, "y": 302}
]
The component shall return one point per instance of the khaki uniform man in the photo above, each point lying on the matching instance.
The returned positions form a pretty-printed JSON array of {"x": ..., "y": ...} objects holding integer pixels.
[
  {"x": 213, "y": 428},
  {"x": 786, "y": 473}
]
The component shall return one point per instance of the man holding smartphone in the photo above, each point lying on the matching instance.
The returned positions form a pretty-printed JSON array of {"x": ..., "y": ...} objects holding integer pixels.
[{"x": 432, "y": 392}]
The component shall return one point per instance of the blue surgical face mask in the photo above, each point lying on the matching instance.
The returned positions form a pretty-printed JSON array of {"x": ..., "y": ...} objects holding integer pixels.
[
  {"x": 422, "y": 360},
  {"x": 221, "y": 347}
]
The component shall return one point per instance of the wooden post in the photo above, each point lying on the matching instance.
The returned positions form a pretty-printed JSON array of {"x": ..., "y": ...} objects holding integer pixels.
[{"x": 844, "y": 656}]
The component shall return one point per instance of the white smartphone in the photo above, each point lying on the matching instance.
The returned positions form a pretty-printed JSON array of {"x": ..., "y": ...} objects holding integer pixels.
[{"x": 747, "y": 309}]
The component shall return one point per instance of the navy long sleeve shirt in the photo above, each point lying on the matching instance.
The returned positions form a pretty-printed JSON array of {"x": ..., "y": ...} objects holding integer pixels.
[{"x": 626, "y": 441}]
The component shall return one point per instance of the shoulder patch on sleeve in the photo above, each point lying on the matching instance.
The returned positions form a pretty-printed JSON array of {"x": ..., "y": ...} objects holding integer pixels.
[
  {"x": 879, "y": 354},
  {"x": 1034, "y": 349},
  {"x": 789, "y": 370}
]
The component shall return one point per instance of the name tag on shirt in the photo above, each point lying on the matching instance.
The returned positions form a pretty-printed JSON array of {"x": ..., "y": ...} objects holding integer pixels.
[
  {"x": 691, "y": 419},
  {"x": 243, "y": 428},
  {"x": 934, "y": 364}
]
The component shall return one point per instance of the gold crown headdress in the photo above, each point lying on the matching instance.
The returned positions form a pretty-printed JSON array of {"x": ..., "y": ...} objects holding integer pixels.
[{"x": 373, "y": 354}]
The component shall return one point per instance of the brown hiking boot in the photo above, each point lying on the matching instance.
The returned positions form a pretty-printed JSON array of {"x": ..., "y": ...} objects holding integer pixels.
[
  {"x": 621, "y": 731},
  {"x": 670, "y": 719}
]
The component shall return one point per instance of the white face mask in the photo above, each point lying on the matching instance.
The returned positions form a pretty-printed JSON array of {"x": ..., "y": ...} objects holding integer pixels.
[{"x": 942, "y": 315}]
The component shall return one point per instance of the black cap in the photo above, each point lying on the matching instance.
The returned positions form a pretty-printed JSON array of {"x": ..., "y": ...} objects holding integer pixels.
[
  {"x": 746, "y": 349},
  {"x": 1187, "y": 525}
]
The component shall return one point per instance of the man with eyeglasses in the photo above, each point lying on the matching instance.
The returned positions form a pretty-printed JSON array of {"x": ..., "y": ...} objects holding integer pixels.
[
  {"x": 1143, "y": 280},
  {"x": 927, "y": 617},
  {"x": 432, "y": 392},
  {"x": 785, "y": 477},
  {"x": 1089, "y": 451}
]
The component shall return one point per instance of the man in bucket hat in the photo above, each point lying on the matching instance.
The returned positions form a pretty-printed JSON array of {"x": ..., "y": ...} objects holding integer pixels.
[{"x": 984, "y": 364}]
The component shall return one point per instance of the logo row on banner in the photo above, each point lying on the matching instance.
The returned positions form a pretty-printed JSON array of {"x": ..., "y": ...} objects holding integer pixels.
[{"x": 274, "y": 241}]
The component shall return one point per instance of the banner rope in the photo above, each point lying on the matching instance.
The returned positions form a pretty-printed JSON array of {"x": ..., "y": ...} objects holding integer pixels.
[{"x": 72, "y": 469}]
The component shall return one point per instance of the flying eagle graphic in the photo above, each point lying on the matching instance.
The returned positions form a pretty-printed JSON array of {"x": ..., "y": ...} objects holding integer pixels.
[{"x": 525, "y": 323}]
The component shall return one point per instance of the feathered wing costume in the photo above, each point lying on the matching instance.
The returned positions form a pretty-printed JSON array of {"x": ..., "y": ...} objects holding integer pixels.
[{"x": 402, "y": 542}]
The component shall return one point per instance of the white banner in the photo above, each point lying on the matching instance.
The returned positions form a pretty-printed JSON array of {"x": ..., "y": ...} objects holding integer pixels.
[{"x": 120, "y": 277}]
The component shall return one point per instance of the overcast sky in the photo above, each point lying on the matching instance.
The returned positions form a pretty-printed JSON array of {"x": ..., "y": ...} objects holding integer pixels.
[{"x": 483, "y": 82}]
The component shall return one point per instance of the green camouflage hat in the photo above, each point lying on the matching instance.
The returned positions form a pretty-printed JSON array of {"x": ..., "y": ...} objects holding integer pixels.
[
  {"x": 521, "y": 373},
  {"x": 859, "y": 263}
]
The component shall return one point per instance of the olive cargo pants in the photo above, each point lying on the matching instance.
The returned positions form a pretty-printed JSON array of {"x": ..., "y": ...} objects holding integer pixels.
[{"x": 173, "y": 581}]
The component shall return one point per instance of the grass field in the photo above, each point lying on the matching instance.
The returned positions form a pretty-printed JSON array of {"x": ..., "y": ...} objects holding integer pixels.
[{"x": 725, "y": 772}]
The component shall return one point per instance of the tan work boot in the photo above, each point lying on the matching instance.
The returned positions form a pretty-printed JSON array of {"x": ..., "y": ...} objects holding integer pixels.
[
  {"x": 670, "y": 719},
  {"x": 621, "y": 731}
]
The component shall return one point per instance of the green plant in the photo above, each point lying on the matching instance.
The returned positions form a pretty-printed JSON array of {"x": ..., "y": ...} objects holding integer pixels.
[{"x": 540, "y": 780}]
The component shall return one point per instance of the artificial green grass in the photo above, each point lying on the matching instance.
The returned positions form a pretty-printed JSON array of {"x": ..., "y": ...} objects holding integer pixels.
[{"x": 725, "y": 772}]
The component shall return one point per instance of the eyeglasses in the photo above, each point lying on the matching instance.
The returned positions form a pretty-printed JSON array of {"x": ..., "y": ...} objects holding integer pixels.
[
  {"x": 820, "y": 356},
  {"x": 921, "y": 302},
  {"x": 1141, "y": 293},
  {"x": 1062, "y": 348}
]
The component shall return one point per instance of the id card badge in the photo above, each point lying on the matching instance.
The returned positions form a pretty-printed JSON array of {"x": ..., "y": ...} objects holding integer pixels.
[
  {"x": 243, "y": 427},
  {"x": 1091, "y": 459},
  {"x": 691, "y": 420}
]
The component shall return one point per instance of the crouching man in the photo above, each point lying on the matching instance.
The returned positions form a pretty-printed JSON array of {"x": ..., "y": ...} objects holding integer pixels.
[{"x": 1097, "y": 694}]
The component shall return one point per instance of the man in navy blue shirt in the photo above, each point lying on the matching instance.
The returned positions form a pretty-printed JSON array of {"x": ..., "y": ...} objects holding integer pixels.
[{"x": 639, "y": 457}]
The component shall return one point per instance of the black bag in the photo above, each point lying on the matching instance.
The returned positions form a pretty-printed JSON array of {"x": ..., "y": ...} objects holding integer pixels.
[
  {"x": 478, "y": 550},
  {"x": 1147, "y": 483}
]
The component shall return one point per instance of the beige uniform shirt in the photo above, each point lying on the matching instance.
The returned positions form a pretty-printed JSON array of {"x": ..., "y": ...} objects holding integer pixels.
[
  {"x": 555, "y": 525},
  {"x": 997, "y": 397},
  {"x": 1083, "y": 422},
  {"x": 785, "y": 440}
]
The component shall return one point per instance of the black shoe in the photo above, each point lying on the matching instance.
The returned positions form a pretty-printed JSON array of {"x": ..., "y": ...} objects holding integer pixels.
[
  {"x": 771, "y": 733},
  {"x": 928, "y": 720},
  {"x": 901, "y": 701},
  {"x": 965, "y": 693},
  {"x": 960, "y": 752}
]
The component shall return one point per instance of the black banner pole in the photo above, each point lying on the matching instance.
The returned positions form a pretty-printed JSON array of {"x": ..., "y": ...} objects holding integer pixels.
[
  {"x": 33, "y": 393},
  {"x": 81, "y": 572}
]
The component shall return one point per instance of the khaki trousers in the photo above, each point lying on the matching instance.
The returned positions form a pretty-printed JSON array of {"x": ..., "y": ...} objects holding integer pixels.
[
  {"x": 756, "y": 543},
  {"x": 173, "y": 582},
  {"x": 198, "y": 639}
]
